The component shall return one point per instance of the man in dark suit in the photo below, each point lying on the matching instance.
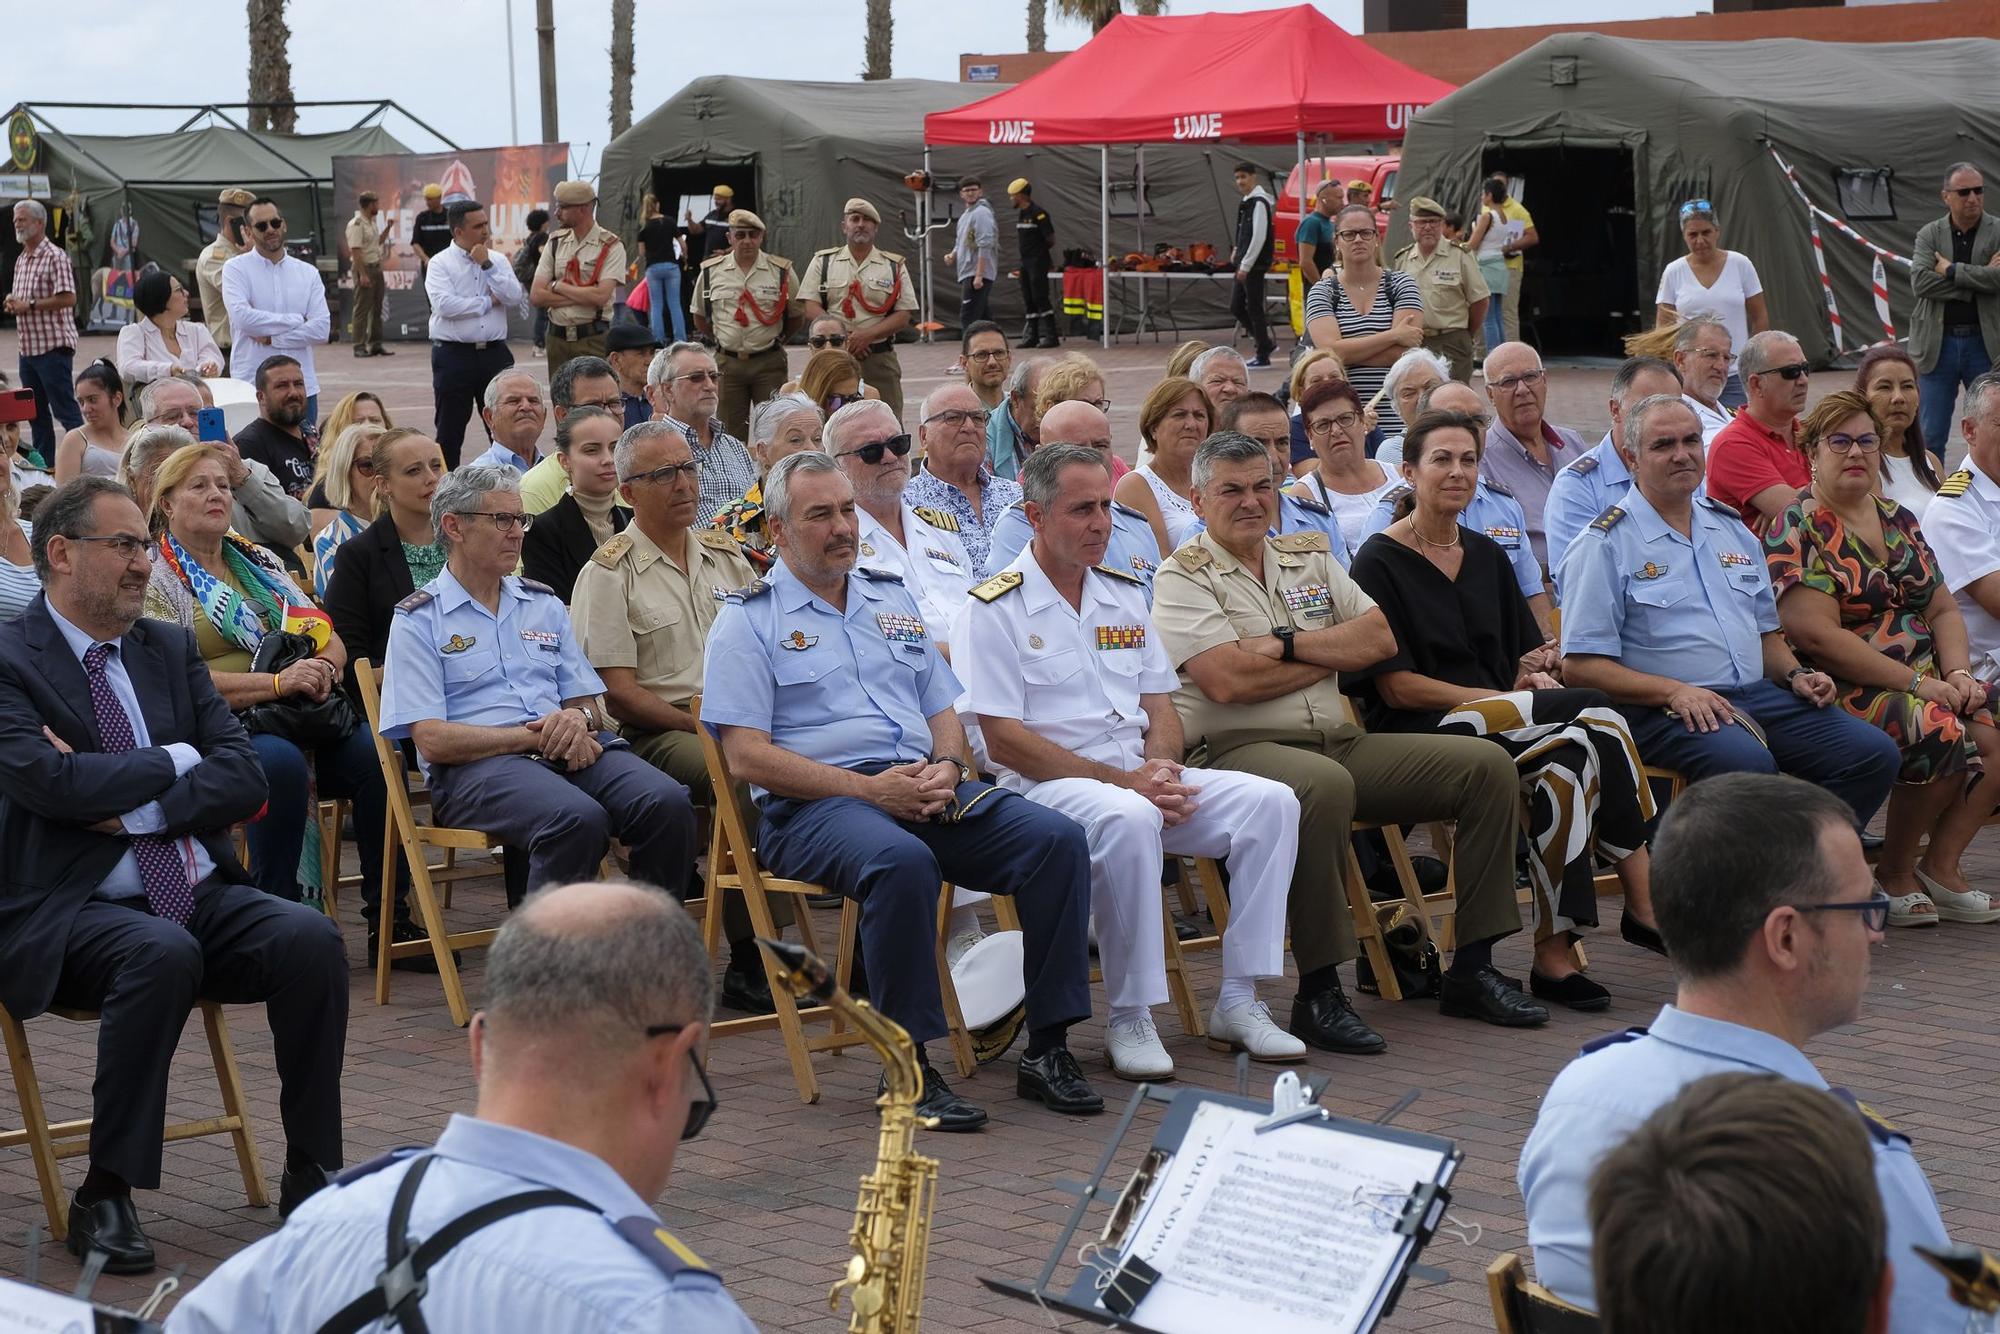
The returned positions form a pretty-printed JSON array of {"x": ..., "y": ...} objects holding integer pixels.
[{"x": 121, "y": 771}]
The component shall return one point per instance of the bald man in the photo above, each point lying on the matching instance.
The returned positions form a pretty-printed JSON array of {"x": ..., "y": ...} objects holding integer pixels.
[
  {"x": 588, "y": 1061},
  {"x": 1133, "y": 547}
]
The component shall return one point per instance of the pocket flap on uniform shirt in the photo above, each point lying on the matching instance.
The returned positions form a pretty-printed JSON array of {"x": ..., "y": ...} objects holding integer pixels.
[
  {"x": 1749, "y": 580},
  {"x": 645, "y": 620},
  {"x": 1050, "y": 669},
  {"x": 465, "y": 666},
  {"x": 1657, "y": 592},
  {"x": 798, "y": 669}
]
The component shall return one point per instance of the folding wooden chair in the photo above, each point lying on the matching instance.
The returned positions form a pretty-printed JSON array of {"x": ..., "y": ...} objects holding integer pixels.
[
  {"x": 1675, "y": 782},
  {"x": 1521, "y": 1306},
  {"x": 50, "y": 1142},
  {"x": 734, "y": 867}
]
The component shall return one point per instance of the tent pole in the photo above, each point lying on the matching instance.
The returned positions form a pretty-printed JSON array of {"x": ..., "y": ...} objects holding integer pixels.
[
  {"x": 1104, "y": 229},
  {"x": 924, "y": 246}
]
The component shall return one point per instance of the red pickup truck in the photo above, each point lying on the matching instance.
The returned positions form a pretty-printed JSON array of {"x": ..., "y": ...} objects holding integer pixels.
[{"x": 1379, "y": 172}]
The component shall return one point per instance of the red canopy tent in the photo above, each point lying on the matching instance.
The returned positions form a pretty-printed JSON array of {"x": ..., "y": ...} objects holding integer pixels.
[{"x": 1260, "y": 77}]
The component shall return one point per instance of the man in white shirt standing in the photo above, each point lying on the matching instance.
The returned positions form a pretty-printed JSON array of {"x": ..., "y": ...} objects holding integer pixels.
[
  {"x": 471, "y": 290},
  {"x": 276, "y": 304}
]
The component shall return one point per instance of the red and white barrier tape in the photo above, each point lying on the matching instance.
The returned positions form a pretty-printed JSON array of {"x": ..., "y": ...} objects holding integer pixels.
[{"x": 1878, "y": 281}]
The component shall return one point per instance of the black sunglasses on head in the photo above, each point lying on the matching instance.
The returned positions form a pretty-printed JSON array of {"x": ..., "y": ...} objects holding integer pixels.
[
  {"x": 699, "y": 1109},
  {"x": 899, "y": 445}
]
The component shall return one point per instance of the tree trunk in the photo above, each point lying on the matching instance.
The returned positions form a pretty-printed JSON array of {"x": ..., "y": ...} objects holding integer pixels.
[
  {"x": 1038, "y": 25},
  {"x": 621, "y": 66},
  {"x": 271, "y": 68},
  {"x": 879, "y": 32}
]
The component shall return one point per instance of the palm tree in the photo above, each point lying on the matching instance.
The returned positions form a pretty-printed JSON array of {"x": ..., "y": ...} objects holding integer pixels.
[
  {"x": 271, "y": 68},
  {"x": 879, "y": 33},
  {"x": 621, "y": 66},
  {"x": 1038, "y": 25}
]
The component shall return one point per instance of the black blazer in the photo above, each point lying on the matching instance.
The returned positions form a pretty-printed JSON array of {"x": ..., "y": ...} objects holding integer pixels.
[
  {"x": 559, "y": 544},
  {"x": 49, "y": 800},
  {"x": 369, "y": 578}
]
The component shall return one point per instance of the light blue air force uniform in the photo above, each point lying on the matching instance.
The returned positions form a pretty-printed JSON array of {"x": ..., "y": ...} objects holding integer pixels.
[
  {"x": 610, "y": 1269},
  {"x": 1581, "y": 491},
  {"x": 1602, "y": 1097},
  {"x": 1492, "y": 511},
  {"x": 1132, "y": 548}
]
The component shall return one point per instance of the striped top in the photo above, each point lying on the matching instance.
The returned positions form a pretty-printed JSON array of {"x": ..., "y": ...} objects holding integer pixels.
[
  {"x": 1397, "y": 291},
  {"x": 18, "y": 584}
]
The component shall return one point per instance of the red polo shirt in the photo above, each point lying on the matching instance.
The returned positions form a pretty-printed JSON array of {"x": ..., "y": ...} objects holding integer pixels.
[{"x": 1745, "y": 457}]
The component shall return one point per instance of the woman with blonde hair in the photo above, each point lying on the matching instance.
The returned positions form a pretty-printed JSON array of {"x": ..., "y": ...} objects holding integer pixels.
[
  {"x": 361, "y": 406},
  {"x": 1173, "y": 421},
  {"x": 1183, "y": 358},
  {"x": 348, "y": 487},
  {"x": 832, "y": 379},
  {"x": 1075, "y": 378}
]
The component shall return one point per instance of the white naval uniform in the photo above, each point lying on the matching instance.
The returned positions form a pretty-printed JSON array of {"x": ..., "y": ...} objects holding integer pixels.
[
  {"x": 1075, "y": 678},
  {"x": 933, "y": 564},
  {"x": 1963, "y": 526}
]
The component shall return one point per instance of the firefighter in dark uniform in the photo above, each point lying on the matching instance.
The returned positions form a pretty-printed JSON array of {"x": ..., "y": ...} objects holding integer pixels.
[{"x": 1036, "y": 236}]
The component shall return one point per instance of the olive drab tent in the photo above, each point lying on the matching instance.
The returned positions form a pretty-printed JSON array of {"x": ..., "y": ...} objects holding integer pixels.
[{"x": 1820, "y": 159}]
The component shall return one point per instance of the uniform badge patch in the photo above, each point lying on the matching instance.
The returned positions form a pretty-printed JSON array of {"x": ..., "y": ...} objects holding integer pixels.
[
  {"x": 1309, "y": 599},
  {"x": 1730, "y": 558},
  {"x": 1649, "y": 571},
  {"x": 900, "y": 629},
  {"x": 1111, "y": 637},
  {"x": 939, "y": 553},
  {"x": 458, "y": 643},
  {"x": 546, "y": 638},
  {"x": 1034, "y": 641},
  {"x": 1505, "y": 535},
  {"x": 798, "y": 641},
  {"x": 867, "y": 549}
]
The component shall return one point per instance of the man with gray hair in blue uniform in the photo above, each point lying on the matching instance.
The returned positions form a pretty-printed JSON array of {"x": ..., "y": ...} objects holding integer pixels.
[{"x": 536, "y": 1211}]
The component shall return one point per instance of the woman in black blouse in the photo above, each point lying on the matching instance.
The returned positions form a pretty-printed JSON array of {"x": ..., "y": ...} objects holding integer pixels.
[{"x": 1470, "y": 659}]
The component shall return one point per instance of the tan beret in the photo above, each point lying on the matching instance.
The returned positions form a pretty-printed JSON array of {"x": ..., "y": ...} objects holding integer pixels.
[
  {"x": 1018, "y": 186},
  {"x": 236, "y": 197},
  {"x": 743, "y": 217},
  {"x": 861, "y": 206},
  {"x": 576, "y": 192},
  {"x": 434, "y": 192},
  {"x": 1425, "y": 207},
  {"x": 723, "y": 192}
]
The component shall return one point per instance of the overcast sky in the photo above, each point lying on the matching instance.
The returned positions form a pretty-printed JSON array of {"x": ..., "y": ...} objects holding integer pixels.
[{"x": 446, "y": 60}]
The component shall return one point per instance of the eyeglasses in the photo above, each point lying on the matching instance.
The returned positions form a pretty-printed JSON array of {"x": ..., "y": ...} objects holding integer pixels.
[
  {"x": 1843, "y": 444},
  {"x": 706, "y": 377},
  {"x": 123, "y": 545},
  {"x": 269, "y": 225},
  {"x": 699, "y": 1109},
  {"x": 668, "y": 475},
  {"x": 899, "y": 445},
  {"x": 1101, "y": 404},
  {"x": 505, "y": 521},
  {"x": 366, "y": 467},
  {"x": 1874, "y": 909},
  {"x": 957, "y": 417},
  {"x": 1695, "y": 206},
  {"x": 1525, "y": 380},
  {"x": 827, "y": 340},
  {"x": 995, "y": 354},
  {"x": 1323, "y": 428},
  {"x": 1970, "y": 191},
  {"x": 1791, "y": 372},
  {"x": 1353, "y": 234}
]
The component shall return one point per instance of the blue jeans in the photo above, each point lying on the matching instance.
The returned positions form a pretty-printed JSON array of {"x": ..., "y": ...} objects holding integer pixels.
[
  {"x": 48, "y": 374},
  {"x": 1733, "y": 394},
  {"x": 541, "y": 326},
  {"x": 1961, "y": 360},
  {"x": 346, "y": 769},
  {"x": 1494, "y": 331},
  {"x": 312, "y": 409},
  {"x": 663, "y": 287}
]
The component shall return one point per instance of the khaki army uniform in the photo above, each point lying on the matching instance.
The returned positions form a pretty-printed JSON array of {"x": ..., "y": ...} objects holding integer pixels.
[
  {"x": 578, "y": 331},
  {"x": 208, "y": 280},
  {"x": 862, "y": 293},
  {"x": 632, "y": 607},
  {"x": 364, "y": 251},
  {"x": 1204, "y": 597},
  {"x": 1450, "y": 282},
  {"x": 746, "y": 313}
]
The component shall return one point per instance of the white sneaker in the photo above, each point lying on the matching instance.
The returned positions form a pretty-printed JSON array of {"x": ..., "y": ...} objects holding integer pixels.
[
  {"x": 955, "y": 948},
  {"x": 1135, "y": 1051},
  {"x": 1247, "y": 1026}
]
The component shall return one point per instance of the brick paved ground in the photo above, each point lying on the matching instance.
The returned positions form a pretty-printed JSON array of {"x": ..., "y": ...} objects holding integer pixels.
[{"x": 766, "y": 1194}]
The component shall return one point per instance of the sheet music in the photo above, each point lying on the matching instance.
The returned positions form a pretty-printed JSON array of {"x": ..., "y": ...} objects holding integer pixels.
[
  {"x": 26, "y": 1310},
  {"x": 1291, "y": 1231}
]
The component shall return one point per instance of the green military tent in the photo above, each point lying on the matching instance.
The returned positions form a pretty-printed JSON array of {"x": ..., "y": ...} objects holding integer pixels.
[{"x": 1609, "y": 137}]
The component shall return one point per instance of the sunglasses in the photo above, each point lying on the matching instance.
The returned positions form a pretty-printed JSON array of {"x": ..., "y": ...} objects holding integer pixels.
[
  {"x": 827, "y": 340},
  {"x": 872, "y": 452},
  {"x": 1874, "y": 909},
  {"x": 269, "y": 225},
  {"x": 699, "y": 1109},
  {"x": 1970, "y": 191},
  {"x": 1791, "y": 372},
  {"x": 1695, "y": 206}
]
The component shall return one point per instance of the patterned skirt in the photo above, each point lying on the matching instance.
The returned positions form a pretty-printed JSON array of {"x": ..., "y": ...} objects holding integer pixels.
[
  {"x": 1934, "y": 739},
  {"x": 1582, "y": 784}
]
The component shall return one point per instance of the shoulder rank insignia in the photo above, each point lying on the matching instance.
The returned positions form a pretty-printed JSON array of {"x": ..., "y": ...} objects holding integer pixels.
[
  {"x": 1583, "y": 467},
  {"x": 1719, "y": 507},
  {"x": 612, "y": 552},
  {"x": 1307, "y": 504},
  {"x": 1502, "y": 489},
  {"x": 661, "y": 1247},
  {"x": 458, "y": 643},
  {"x": 1120, "y": 507},
  {"x": 1613, "y": 1040},
  {"x": 415, "y": 600},
  {"x": 830, "y": 250},
  {"x": 1117, "y": 573},
  {"x": 748, "y": 591},
  {"x": 999, "y": 585},
  {"x": 1395, "y": 497},
  {"x": 720, "y": 539},
  {"x": 374, "y": 1165},
  {"x": 1956, "y": 484},
  {"x": 714, "y": 260},
  {"x": 1879, "y": 1128},
  {"x": 1193, "y": 556},
  {"x": 869, "y": 572},
  {"x": 1308, "y": 541},
  {"x": 536, "y": 586},
  {"x": 936, "y": 518},
  {"x": 1608, "y": 520}
]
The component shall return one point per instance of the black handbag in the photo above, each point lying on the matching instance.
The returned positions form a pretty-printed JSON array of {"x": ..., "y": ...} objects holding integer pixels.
[
  {"x": 1419, "y": 971},
  {"x": 306, "y": 723}
]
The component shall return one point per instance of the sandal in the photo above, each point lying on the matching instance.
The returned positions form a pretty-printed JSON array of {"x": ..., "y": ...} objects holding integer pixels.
[
  {"x": 1974, "y": 905},
  {"x": 1913, "y": 909}
]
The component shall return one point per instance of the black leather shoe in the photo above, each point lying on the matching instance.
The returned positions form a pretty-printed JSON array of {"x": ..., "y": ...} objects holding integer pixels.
[
  {"x": 1486, "y": 995},
  {"x": 112, "y": 1226},
  {"x": 1328, "y": 1022},
  {"x": 360, "y": 351},
  {"x": 747, "y": 991},
  {"x": 380, "y": 352},
  {"x": 298, "y": 1185},
  {"x": 1635, "y": 932},
  {"x": 403, "y": 933},
  {"x": 1576, "y": 991},
  {"x": 1056, "y": 1079},
  {"x": 953, "y": 1114}
]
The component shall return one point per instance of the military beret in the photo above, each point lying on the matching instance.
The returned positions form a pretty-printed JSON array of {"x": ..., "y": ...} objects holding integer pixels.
[
  {"x": 863, "y": 207},
  {"x": 576, "y": 192},
  {"x": 743, "y": 217},
  {"x": 724, "y": 192},
  {"x": 434, "y": 192},
  {"x": 1425, "y": 207},
  {"x": 236, "y": 197},
  {"x": 1018, "y": 186}
]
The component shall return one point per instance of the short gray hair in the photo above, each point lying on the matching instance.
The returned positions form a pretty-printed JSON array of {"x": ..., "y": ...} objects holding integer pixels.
[
  {"x": 1226, "y": 447},
  {"x": 826, "y": 315},
  {"x": 1200, "y": 364},
  {"x": 659, "y": 369},
  {"x": 1020, "y": 380},
  {"x": 149, "y": 393},
  {"x": 64, "y": 511},
  {"x": 769, "y": 416},
  {"x": 491, "y": 398},
  {"x": 849, "y": 413},
  {"x": 566, "y": 428},
  {"x": 638, "y": 434},
  {"x": 603, "y": 983},
  {"x": 951, "y": 387},
  {"x": 1635, "y": 417},
  {"x": 35, "y": 210},
  {"x": 458, "y": 492},
  {"x": 144, "y": 449},
  {"x": 1981, "y": 389},
  {"x": 1041, "y": 475},
  {"x": 1693, "y": 327},
  {"x": 1486, "y": 366},
  {"x": 778, "y": 484},
  {"x": 1956, "y": 168},
  {"x": 1761, "y": 352},
  {"x": 1409, "y": 364}
]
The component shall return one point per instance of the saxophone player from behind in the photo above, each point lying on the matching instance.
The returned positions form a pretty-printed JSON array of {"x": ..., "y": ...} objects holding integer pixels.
[{"x": 535, "y": 1212}]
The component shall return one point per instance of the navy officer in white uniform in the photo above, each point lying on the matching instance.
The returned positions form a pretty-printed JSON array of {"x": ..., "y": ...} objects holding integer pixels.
[
  {"x": 1769, "y": 914},
  {"x": 824, "y": 685},
  {"x": 588, "y": 1058}
]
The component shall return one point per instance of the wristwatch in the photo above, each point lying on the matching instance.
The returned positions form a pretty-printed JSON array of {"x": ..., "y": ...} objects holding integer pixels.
[
  {"x": 1796, "y": 673},
  {"x": 965, "y": 774},
  {"x": 1286, "y": 634},
  {"x": 590, "y": 718}
]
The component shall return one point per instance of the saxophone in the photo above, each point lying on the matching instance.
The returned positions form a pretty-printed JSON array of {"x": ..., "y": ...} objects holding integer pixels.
[{"x": 892, "y": 1218}]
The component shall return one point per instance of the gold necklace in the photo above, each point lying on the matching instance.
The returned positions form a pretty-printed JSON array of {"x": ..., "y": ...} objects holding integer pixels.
[{"x": 1423, "y": 541}]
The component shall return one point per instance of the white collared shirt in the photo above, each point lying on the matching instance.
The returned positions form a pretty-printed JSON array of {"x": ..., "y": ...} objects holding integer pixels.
[
  {"x": 274, "y": 309},
  {"x": 932, "y": 563},
  {"x": 1962, "y": 524},
  {"x": 469, "y": 304}
]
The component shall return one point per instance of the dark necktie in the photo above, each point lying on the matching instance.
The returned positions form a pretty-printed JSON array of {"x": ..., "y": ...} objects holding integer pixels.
[{"x": 162, "y": 873}]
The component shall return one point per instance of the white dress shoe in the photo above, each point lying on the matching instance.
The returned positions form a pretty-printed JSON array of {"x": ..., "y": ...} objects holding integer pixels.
[
  {"x": 1247, "y": 1026},
  {"x": 1135, "y": 1051}
]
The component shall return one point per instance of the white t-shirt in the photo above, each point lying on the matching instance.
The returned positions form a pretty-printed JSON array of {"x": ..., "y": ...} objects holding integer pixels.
[
  {"x": 1735, "y": 286},
  {"x": 1901, "y": 484}
]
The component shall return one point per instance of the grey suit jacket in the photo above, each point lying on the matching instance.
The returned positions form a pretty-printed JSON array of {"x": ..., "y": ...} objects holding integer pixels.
[{"x": 1975, "y": 282}]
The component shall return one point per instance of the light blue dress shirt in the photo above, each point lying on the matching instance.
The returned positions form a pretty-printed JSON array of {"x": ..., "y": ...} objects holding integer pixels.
[
  {"x": 843, "y": 688},
  {"x": 1689, "y": 610},
  {"x": 558, "y": 1268},
  {"x": 123, "y": 882},
  {"x": 1582, "y": 491},
  {"x": 1492, "y": 512},
  {"x": 1601, "y": 1097},
  {"x": 498, "y": 455},
  {"x": 1133, "y": 546},
  {"x": 451, "y": 659}
]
